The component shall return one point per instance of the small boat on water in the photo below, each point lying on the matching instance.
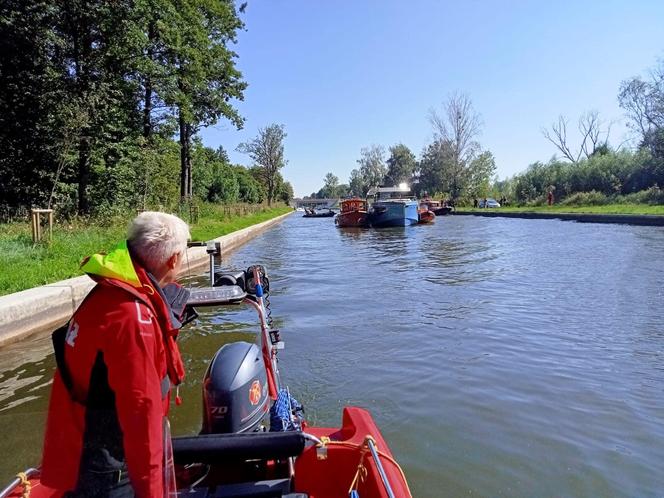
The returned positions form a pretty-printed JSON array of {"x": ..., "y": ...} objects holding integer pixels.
[
  {"x": 425, "y": 215},
  {"x": 317, "y": 462},
  {"x": 353, "y": 213},
  {"x": 437, "y": 207},
  {"x": 236, "y": 454},
  {"x": 313, "y": 213},
  {"x": 392, "y": 207}
]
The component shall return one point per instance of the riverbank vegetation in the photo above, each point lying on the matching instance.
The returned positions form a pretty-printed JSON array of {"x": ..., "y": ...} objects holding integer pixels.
[
  {"x": 25, "y": 265},
  {"x": 640, "y": 209},
  {"x": 624, "y": 177},
  {"x": 595, "y": 173},
  {"x": 589, "y": 171}
]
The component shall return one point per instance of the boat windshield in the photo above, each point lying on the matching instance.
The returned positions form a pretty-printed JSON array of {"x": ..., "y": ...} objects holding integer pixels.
[
  {"x": 388, "y": 193},
  {"x": 352, "y": 205}
]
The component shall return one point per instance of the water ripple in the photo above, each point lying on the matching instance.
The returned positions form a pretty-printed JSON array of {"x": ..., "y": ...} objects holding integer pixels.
[{"x": 499, "y": 356}]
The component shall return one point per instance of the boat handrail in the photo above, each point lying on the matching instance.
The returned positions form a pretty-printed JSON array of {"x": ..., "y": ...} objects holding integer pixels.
[
  {"x": 21, "y": 477},
  {"x": 383, "y": 476},
  {"x": 313, "y": 438}
]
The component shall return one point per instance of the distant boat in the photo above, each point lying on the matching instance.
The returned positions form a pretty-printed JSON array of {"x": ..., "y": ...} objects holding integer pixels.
[
  {"x": 392, "y": 207},
  {"x": 312, "y": 213},
  {"x": 353, "y": 213},
  {"x": 438, "y": 208},
  {"x": 425, "y": 215}
]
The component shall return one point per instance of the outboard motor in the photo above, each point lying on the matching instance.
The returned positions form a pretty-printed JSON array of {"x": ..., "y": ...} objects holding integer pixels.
[
  {"x": 235, "y": 386},
  {"x": 235, "y": 397}
]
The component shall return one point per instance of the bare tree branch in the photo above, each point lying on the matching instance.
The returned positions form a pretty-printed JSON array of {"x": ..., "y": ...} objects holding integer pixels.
[
  {"x": 593, "y": 136},
  {"x": 558, "y": 137},
  {"x": 589, "y": 126}
]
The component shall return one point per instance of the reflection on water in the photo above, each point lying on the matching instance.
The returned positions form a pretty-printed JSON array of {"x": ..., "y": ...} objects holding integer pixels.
[{"x": 499, "y": 356}]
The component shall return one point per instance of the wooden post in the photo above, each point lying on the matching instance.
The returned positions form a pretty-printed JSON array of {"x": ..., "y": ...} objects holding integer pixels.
[
  {"x": 193, "y": 213},
  {"x": 36, "y": 223},
  {"x": 34, "y": 220}
]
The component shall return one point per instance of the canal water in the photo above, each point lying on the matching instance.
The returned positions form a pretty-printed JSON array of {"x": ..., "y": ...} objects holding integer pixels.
[{"x": 500, "y": 357}]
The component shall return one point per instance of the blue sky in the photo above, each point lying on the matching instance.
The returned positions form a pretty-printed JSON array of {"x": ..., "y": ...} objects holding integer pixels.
[{"x": 342, "y": 75}]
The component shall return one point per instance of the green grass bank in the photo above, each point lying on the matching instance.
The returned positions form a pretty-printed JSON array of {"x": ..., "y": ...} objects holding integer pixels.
[
  {"x": 636, "y": 209},
  {"x": 24, "y": 265}
]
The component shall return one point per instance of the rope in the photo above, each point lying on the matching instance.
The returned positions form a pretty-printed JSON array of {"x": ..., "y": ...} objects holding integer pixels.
[
  {"x": 361, "y": 472},
  {"x": 364, "y": 446},
  {"x": 25, "y": 482}
]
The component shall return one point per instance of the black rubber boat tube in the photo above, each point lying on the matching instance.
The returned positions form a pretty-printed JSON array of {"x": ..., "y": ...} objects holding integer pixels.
[{"x": 219, "y": 448}]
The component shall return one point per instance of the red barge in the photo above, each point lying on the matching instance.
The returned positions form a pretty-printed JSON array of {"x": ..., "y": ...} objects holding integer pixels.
[{"x": 353, "y": 213}]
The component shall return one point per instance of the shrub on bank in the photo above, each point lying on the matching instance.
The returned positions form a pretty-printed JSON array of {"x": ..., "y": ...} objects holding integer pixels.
[
  {"x": 592, "y": 198},
  {"x": 538, "y": 201},
  {"x": 609, "y": 173},
  {"x": 653, "y": 195}
]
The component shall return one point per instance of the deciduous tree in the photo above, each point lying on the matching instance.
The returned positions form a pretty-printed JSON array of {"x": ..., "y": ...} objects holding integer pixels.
[
  {"x": 436, "y": 168},
  {"x": 267, "y": 152},
  {"x": 372, "y": 166},
  {"x": 400, "y": 165},
  {"x": 331, "y": 185},
  {"x": 644, "y": 102},
  {"x": 457, "y": 127},
  {"x": 356, "y": 185},
  {"x": 480, "y": 174},
  {"x": 207, "y": 79}
]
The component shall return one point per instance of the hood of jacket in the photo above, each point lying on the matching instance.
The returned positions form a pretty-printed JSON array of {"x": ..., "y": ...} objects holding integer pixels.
[{"x": 115, "y": 264}]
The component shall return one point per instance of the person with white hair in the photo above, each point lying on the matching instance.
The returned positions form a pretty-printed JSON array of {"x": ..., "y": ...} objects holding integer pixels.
[{"x": 116, "y": 362}]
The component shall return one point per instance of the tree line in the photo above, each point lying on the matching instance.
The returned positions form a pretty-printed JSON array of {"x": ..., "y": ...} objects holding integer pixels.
[
  {"x": 595, "y": 172},
  {"x": 101, "y": 102},
  {"x": 453, "y": 165}
]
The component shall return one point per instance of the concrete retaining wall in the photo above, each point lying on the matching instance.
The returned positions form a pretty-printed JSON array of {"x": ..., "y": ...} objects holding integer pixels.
[
  {"x": 43, "y": 309},
  {"x": 629, "y": 219}
]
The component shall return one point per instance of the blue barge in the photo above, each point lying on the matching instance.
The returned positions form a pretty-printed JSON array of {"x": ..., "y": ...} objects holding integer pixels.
[{"x": 391, "y": 207}]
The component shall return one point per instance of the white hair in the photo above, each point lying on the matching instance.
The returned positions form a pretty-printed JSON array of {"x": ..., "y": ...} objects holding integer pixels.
[{"x": 155, "y": 237}]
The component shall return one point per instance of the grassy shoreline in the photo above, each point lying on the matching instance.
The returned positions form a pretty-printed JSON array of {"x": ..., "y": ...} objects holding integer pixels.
[
  {"x": 636, "y": 209},
  {"x": 25, "y": 265}
]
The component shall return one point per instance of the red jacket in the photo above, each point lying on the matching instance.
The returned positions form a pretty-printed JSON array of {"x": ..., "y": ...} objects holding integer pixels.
[{"x": 126, "y": 325}]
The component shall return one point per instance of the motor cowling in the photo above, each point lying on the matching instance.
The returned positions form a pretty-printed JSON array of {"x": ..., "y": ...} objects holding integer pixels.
[{"x": 235, "y": 395}]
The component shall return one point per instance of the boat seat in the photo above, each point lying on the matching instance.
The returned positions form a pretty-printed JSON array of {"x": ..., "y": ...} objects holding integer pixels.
[{"x": 220, "y": 448}]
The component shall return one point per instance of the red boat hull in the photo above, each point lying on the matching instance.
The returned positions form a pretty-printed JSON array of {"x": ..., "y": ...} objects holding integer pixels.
[
  {"x": 332, "y": 477},
  {"x": 319, "y": 477},
  {"x": 425, "y": 216},
  {"x": 352, "y": 219}
]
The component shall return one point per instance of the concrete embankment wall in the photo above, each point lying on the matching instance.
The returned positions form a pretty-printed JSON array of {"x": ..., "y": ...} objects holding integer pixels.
[
  {"x": 43, "y": 309},
  {"x": 629, "y": 219}
]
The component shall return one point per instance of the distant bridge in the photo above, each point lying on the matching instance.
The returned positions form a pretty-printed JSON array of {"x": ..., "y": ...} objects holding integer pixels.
[{"x": 315, "y": 203}]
